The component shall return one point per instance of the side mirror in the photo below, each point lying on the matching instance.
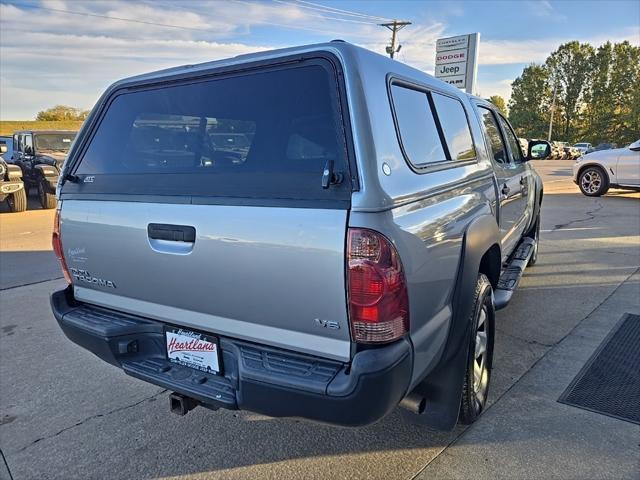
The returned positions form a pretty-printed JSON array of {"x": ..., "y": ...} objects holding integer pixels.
[
  {"x": 538, "y": 150},
  {"x": 3, "y": 149},
  {"x": 635, "y": 146}
]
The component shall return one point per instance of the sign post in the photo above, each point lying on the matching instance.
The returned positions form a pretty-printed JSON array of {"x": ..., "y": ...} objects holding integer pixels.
[{"x": 457, "y": 61}]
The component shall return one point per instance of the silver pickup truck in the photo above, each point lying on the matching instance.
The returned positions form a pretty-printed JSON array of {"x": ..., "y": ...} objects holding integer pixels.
[{"x": 316, "y": 232}]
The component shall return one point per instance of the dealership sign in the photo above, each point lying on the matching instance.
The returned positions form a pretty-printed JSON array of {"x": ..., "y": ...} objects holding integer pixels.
[{"x": 457, "y": 60}]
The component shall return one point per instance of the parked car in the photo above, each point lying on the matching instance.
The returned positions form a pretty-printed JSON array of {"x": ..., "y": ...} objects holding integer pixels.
[
  {"x": 11, "y": 186},
  {"x": 583, "y": 147},
  {"x": 347, "y": 259},
  {"x": 618, "y": 168},
  {"x": 8, "y": 143},
  {"x": 40, "y": 155}
]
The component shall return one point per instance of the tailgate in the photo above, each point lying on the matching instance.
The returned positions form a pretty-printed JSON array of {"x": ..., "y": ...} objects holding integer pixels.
[{"x": 268, "y": 275}]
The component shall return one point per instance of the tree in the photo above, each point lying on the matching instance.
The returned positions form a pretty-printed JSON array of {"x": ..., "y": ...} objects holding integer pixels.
[
  {"x": 611, "y": 111},
  {"x": 625, "y": 83},
  {"x": 598, "y": 109},
  {"x": 499, "y": 102},
  {"x": 530, "y": 102},
  {"x": 569, "y": 70},
  {"x": 62, "y": 112}
]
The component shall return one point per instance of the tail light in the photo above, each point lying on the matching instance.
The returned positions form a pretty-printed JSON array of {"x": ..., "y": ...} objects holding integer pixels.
[
  {"x": 56, "y": 242},
  {"x": 378, "y": 300}
]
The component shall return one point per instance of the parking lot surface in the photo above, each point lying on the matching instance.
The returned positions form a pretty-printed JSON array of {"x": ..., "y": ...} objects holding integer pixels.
[{"x": 66, "y": 414}]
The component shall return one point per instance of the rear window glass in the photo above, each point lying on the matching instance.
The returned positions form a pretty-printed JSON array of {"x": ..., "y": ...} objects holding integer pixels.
[
  {"x": 267, "y": 134},
  {"x": 54, "y": 142},
  {"x": 418, "y": 131},
  {"x": 455, "y": 127},
  {"x": 432, "y": 128}
]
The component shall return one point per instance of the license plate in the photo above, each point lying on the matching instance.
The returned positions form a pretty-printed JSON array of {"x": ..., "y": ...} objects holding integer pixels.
[{"x": 193, "y": 349}]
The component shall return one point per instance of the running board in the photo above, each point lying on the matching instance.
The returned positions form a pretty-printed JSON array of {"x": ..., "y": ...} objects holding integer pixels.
[{"x": 512, "y": 273}]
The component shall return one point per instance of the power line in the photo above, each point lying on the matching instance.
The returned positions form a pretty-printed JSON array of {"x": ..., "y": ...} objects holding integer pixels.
[
  {"x": 289, "y": 26},
  {"x": 109, "y": 17},
  {"x": 180, "y": 27},
  {"x": 327, "y": 9},
  {"x": 326, "y": 18},
  {"x": 394, "y": 26}
]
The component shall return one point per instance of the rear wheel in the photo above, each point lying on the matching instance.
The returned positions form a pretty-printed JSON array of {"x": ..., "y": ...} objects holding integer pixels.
[
  {"x": 18, "y": 201},
  {"x": 593, "y": 181},
  {"x": 47, "y": 200},
  {"x": 478, "y": 373}
]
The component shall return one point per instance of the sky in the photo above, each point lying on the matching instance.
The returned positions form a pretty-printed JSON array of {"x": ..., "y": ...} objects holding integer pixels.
[{"x": 69, "y": 51}]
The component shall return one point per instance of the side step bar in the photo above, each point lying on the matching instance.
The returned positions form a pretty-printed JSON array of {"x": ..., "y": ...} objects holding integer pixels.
[{"x": 512, "y": 273}]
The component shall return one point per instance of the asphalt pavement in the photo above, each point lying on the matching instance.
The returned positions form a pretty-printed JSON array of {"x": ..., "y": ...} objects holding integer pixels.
[{"x": 66, "y": 414}]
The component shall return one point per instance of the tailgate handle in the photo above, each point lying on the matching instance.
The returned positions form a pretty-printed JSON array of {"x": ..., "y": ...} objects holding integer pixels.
[{"x": 172, "y": 233}]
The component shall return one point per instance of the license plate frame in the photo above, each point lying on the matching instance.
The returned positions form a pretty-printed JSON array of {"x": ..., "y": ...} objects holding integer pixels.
[{"x": 196, "y": 350}]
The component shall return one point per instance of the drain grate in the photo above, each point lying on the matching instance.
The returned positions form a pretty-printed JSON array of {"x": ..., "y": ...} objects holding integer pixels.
[{"x": 609, "y": 383}]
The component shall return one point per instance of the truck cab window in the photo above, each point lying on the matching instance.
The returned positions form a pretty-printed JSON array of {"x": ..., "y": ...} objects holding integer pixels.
[
  {"x": 514, "y": 145},
  {"x": 496, "y": 144}
]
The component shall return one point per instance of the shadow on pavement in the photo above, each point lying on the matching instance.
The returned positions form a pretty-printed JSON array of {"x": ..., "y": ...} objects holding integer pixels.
[{"x": 25, "y": 267}]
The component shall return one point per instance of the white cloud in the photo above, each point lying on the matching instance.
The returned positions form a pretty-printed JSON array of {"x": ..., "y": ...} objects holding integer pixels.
[
  {"x": 543, "y": 9},
  {"x": 500, "y": 87},
  {"x": 75, "y": 70},
  {"x": 502, "y": 52}
]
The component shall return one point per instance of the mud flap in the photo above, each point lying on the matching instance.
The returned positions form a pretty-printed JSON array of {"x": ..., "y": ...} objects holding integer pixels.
[{"x": 443, "y": 391}]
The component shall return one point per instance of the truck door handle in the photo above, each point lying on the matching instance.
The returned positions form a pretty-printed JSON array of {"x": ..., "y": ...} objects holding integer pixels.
[
  {"x": 505, "y": 189},
  {"x": 172, "y": 233}
]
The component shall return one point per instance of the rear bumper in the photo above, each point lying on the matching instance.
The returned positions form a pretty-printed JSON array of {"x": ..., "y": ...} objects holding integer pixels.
[{"x": 258, "y": 378}]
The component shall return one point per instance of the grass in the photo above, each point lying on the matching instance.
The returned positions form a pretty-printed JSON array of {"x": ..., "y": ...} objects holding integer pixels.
[{"x": 8, "y": 127}]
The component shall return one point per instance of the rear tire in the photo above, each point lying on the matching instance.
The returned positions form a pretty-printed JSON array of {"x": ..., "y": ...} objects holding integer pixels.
[
  {"x": 593, "y": 181},
  {"x": 480, "y": 359},
  {"x": 535, "y": 234},
  {"x": 18, "y": 201},
  {"x": 47, "y": 200}
]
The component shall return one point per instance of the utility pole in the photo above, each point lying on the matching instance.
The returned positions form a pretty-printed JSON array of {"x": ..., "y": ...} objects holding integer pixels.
[
  {"x": 553, "y": 106},
  {"x": 395, "y": 27}
]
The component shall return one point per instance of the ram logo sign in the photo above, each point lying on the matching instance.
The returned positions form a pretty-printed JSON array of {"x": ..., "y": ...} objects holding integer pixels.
[{"x": 457, "y": 59}]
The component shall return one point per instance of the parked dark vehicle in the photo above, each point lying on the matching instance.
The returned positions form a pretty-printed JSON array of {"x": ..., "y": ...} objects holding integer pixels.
[
  {"x": 604, "y": 146},
  {"x": 11, "y": 186},
  {"x": 41, "y": 154},
  {"x": 342, "y": 253},
  {"x": 8, "y": 143}
]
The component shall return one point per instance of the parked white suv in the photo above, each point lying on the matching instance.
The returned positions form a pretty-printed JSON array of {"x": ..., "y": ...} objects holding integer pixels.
[{"x": 596, "y": 172}]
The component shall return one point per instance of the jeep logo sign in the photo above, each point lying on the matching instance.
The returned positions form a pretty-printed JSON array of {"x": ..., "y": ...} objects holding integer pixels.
[
  {"x": 450, "y": 69},
  {"x": 456, "y": 60}
]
